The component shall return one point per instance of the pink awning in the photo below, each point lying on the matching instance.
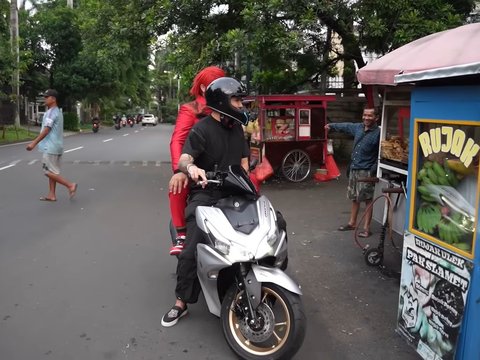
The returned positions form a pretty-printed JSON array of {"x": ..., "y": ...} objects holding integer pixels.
[{"x": 444, "y": 49}]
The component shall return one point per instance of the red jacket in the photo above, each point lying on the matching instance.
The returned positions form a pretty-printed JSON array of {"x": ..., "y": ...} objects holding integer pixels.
[{"x": 188, "y": 115}]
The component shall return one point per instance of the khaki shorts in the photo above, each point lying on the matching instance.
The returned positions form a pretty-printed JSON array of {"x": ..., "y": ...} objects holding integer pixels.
[
  {"x": 51, "y": 163},
  {"x": 359, "y": 190}
]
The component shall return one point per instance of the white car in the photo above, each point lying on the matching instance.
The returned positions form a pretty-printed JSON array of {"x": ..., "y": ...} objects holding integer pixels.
[{"x": 149, "y": 119}]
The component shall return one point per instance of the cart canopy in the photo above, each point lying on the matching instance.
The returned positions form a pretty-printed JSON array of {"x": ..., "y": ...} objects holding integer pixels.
[{"x": 448, "y": 53}]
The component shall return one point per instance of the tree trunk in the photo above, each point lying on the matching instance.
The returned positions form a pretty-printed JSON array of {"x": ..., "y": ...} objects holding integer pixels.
[{"x": 14, "y": 45}]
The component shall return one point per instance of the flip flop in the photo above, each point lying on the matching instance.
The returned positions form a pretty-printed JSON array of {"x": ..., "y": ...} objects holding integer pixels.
[
  {"x": 72, "y": 192},
  {"x": 44, "y": 198},
  {"x": 364, "y": 234},
  {"x": 347, "y": 227}
]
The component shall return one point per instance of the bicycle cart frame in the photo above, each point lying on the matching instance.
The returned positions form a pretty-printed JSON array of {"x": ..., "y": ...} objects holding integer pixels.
[{"x": 291, "y": 132}]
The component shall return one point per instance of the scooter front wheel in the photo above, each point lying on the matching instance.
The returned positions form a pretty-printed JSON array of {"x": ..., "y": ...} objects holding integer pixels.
[{"x": 276, "y": 333}]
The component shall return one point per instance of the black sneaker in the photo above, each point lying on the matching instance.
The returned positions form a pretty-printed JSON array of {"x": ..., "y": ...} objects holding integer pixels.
[{"x": 173, "y": 315}]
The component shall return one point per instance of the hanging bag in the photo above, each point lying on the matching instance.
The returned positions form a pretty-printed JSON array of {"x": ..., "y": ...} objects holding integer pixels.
[{"x": 263, "y": 170}]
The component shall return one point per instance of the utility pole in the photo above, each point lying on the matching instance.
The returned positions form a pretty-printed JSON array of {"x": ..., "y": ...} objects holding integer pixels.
[
  {"x": 16, "y": 56},
  {"x": 70, "y": 4}
]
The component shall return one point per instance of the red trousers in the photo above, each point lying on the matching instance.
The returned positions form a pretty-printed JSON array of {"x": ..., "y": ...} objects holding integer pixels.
[{"x": 178, "y": 203}]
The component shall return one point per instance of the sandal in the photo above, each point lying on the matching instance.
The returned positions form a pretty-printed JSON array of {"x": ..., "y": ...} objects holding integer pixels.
[
  {"x": 347, "y": 227},
  {"x": 364, "y": 234},
  {"x": 72, "y": 193}
]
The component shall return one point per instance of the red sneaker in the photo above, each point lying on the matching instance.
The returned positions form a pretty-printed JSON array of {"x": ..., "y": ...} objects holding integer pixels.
[{"x": 177, "y": 248}]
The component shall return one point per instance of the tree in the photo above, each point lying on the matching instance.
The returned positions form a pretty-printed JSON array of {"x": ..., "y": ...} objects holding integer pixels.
[
  {"x": 6, "y": 60},
  {"x": 285, "y": 42}
]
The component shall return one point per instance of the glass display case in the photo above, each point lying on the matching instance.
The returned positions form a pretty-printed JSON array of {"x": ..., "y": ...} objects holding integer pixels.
[
  {"x": 393, "y": 152},
  {"x": 395, "y": 131},
  {"x": 279, "y": 124}
]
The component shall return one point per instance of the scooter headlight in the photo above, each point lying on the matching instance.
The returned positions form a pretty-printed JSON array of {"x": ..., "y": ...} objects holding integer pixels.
[
  {"x": 233, "y": 253},
  {"x": 272, "y": 238},
  {"x": 223, "y": 246}
]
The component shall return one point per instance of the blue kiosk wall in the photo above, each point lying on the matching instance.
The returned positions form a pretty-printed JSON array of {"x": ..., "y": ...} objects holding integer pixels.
[{"x": 450, "y": 104}]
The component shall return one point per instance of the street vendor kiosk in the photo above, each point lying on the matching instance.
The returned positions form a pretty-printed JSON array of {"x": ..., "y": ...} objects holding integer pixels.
[
  {"x": 439, "y": 305},
  {"x": 439, "y": 300}
]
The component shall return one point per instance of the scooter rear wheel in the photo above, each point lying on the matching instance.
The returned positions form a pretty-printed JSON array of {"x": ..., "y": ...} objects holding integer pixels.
[{"x": 278, "y": 330}]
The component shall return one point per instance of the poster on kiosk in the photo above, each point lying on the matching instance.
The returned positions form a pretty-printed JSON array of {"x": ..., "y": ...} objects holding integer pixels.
[{"x": 437, "y": 260}]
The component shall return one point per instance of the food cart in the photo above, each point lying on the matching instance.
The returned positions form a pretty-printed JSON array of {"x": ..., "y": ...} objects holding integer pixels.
[
  {"x": 439, "y": 299},
  {"x": 290, "y": 132}
]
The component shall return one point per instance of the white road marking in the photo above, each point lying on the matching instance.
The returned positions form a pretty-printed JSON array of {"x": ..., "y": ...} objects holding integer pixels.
[
  {"x": 32, "y": 162},
  {"x": 12, "y": 164},
  {"x": 78, "y": 148},
  {"x": 107, "y": 140},
  {"x": 6, "y": 167},
  {"x": 125, "y": 134},
  {"x": 136, "y": 131}
]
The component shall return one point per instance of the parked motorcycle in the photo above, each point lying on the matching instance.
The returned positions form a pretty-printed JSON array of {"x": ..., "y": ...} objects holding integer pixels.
[
  {"x": 130, "y": 121},
  {"x": 124, "y": 121},
  {"x": 239, "y": 268}
]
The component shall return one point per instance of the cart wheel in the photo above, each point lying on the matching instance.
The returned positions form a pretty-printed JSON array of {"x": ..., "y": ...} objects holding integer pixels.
[
  {"x": 373, "y": 257},
  {"x": 296, "y": 165}
]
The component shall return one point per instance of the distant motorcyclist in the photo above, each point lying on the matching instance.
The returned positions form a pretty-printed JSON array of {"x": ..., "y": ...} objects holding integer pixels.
[
  {"x": 95, "y": 124},
  {"x": 116, "y": 121}
]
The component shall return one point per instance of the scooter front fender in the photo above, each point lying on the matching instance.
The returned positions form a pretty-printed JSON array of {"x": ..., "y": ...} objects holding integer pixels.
[{"x": 276, "y": 276}]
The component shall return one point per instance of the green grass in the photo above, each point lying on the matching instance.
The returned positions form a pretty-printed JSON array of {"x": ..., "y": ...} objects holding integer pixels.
[{"x": 10, "y": 135}]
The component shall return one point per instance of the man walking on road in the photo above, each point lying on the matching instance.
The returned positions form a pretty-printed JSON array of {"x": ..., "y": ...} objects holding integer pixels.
[{"x": 50, "y": 143}]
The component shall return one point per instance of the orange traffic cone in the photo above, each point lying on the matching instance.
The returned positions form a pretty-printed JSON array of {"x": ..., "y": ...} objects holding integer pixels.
[{"x": 332, "y": 168}]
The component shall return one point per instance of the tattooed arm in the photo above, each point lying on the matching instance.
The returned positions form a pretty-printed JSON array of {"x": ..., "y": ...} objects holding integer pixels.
[{"x": 186, "y": 165}]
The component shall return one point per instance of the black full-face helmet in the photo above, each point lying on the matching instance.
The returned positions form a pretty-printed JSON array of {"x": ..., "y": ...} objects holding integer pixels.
[{"x": 218, "y": 96}]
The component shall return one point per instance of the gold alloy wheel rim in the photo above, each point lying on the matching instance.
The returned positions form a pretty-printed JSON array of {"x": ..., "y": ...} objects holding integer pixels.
[{"x": 281, "y": 329}]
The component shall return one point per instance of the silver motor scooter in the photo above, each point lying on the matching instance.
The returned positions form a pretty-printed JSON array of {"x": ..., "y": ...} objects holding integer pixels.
[{"x": 239, "y": 268}]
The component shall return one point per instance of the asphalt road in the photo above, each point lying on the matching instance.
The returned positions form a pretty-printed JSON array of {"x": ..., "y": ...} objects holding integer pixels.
[{"x": 90, "y": 278}]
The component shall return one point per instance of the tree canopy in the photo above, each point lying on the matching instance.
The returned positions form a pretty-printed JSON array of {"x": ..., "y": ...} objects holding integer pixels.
[{"x": 118, "y": 53}]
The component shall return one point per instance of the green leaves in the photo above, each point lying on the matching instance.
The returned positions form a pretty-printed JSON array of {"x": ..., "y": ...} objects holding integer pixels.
[{"x": 102, "y": 50}]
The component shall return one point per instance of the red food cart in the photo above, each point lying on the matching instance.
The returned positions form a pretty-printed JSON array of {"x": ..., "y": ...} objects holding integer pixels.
[{"x": 290, "y": 132}]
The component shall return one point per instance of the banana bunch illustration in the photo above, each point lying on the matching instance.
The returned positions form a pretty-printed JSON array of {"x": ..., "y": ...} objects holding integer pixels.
[
  {"x": 458, "y": 167},
  {"x": 450, "y": 229},
  {"x": 428, "y": 217},
  {"x": 432, "y": 173}
]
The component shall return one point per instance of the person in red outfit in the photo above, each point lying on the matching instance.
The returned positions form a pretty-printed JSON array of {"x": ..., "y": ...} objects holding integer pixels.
[{"x": 188, "y": 115}]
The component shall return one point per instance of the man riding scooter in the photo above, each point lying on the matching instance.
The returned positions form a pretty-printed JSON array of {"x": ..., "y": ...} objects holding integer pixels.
[{"x": 95, "y": 124}]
